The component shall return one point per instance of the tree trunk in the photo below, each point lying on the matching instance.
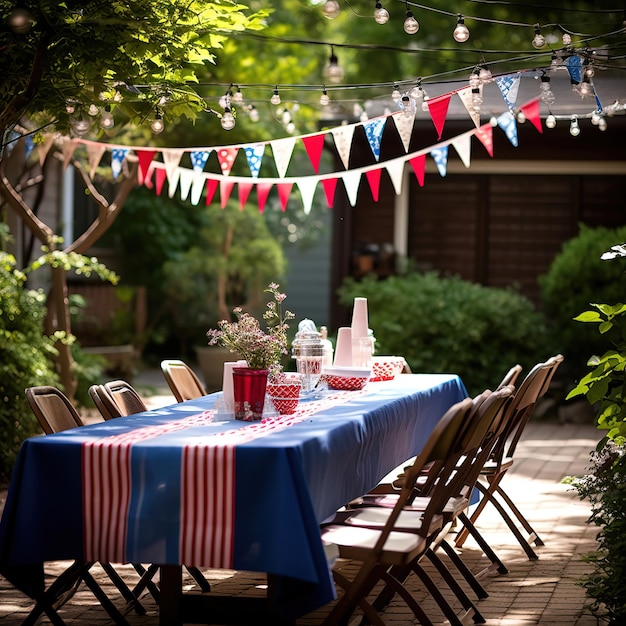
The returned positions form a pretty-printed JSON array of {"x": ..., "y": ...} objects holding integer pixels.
[{"x": 60, "y": 304}]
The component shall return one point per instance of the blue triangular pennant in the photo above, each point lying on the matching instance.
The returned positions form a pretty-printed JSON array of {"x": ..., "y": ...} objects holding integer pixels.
[
  {"x": 30, "y": 144},
  {"x": 199, "y": 159},
  {"x": 507, "y": 123},
  {"x": 509, "y": 86},
  {"x": 254, "y": 154},
  {"x": 574, "y": 67},
  {"x": 440, "y": 155},
  {"x": 117, "y": 157},
  {"x": 374, "y": 132}
]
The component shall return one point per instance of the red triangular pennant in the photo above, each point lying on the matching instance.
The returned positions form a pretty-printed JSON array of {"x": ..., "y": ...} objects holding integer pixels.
[
  {"x": 314, "y": 145},
  {"x": 284, "y": 189},
  {"x": 418, "y": 164},
  {"x": 485, "y": 135},
  {"x": 244, "y": 190},
  {"x": 438, "y": 108},
  {"x": 161, "y": 176},
  {"x": 145, "y": 158},
  {"x": 226, "y": 186},
  {"x": 532, "y": 113},
  {"x": 262, "y": 191},
  {"x": 330, "y": 184},
  {"x": 226, "y": 157},
  {"x": 211, "y": 187},
  {"x": 373, "y": 178}
]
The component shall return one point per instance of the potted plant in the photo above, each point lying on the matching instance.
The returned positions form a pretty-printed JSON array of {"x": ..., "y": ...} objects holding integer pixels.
[
  {"x": 262, "y": 349},
  {"x": 234, "y": 257}
]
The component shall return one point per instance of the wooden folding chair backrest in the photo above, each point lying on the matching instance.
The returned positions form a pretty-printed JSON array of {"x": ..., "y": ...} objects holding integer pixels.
[
  {"x": 104, "y": 402},
  {"x": 125, "y": 397},
  {"x": 182, "y": 380},
  {"x": 510, "y": 378},
  {"x": 53, "y": 409}
]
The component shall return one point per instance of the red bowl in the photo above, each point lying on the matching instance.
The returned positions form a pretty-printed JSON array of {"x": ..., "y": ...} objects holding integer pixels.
[
  {"x": 346, "y": 383},
  {"x": 386, "y": 367},
  {"x": 285, "y": 406}
]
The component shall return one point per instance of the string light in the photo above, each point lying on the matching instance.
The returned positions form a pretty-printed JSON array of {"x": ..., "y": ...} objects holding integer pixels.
[
  {"x": 539, "y": 41},
  {"x": 395, "y": 94},
  {"x": 228, "y": 119},
  {"x": 324, "y": 99},
  {"x": 20, "y": 20},
  {"x": 80, "y": 125},
  {"x": 485, "y": 74},
  {"x": 477, "y": 99},
  {"x": 275, "y": 99},
  {"x": 550, "y": 121},
  {"x": 253, "y": 112},
  {"x": 331, "y": 9},
  {"x": 411, "y": 25},
  {"x": 408, "y": 105},
  {"x": 546, "y": 95},
  {"x": 106, "y": 119},
  {"x": 157, "y": 124},
  {"x": 574, "y": 128},
  {"x": 461, "y": 32},
  {"x": 93, "y": 110},
  {"x": 333, "y": 71},
  {"x": 602, "y": 124},
  {"x": 238, "y": 97},
  {"x": 381, "y": 15},
  {"x": 566, "y": 39}
]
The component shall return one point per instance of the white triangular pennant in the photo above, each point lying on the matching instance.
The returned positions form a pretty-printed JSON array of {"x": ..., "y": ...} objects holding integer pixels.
[
  {"x": 197, "y": 187},
  {"x": 186, "y": 178},
  {"x": 351, "y": 180},
  {"x": 462, "y": 145},
  {"x": 404, "y": 124},
  {"x": 282, "y": 150},
  {"x": 307, "y": 186},
  {"x": 94, "y": 156},
  {"x": 467, "y": 99},
  {"x": 172, "y": 181},
  {"x": 395, "y": 169},
  {"x": 171, "y": 160},
  {"x": 343, "y": 142}
]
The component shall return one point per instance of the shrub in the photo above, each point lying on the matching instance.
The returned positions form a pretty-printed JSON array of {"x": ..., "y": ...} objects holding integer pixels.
[
  {"x": 577, "y": 278},
  {"x": 26, "y": 355},
  {"x": 450, "y": 325}
]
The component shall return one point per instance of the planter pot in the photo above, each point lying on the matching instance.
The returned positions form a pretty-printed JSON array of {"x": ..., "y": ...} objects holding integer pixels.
[
  {"x": 211, "y": 361},
  {"x": 249, "y": 387}
]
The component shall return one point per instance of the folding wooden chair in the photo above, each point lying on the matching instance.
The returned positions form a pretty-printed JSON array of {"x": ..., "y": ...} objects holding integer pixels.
[
  {"x": 532, "y": 389},
  {"x": 56, "y": 413},
  {"x": 182, "y": 380}
]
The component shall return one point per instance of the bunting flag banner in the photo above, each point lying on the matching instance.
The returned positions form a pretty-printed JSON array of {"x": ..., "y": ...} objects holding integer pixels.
[
  {"x": 463, "y": 148},
  {"x": 351, "y": 180},
  {"x": 595, "y": 95},
  {"x": 574, "y": 67},
  {"x": 506, "y": 121},
  {"x": 171, "y": 159},
  {"x": 10, "y": 144},
  {"x": 211, "y": 187},
  {"x": 467, "y": 99},
  {"x": 373, "y": 178},
  {"x": 145, "y": 158},
  {"x": 254, "y": 155},
  {"x": 282, "y": 150},
  {"x": 172, "y": 181},
  {"x": 226, "y": 187},
  {"x": 329, "y": 184},
  {"x": 509, "y": 87},
  {"x": 44, "y": 148},
  {"x": 262, "y": 192},
  {"x": 244, "y": 189},
  {"x": 94, "y": 156},
  {"x": 226, "y": 157},
  {"x": 197, "y": 187},
  {"x": 186, "y": 178},
  {"x": 438, "y": 109},
  {"x": 485, "y": 136},
  {"x": 374, "y": 133},
  {"x": 117, "y": 158},
  {"x": 284, "y": 191},
  {"x": 199, "y": 159},
  {"x": 395, "y": 169},
  {"x": 68, "y": 151},
  {"x": 307, "y": 186},
  {"x": 440, "y": 156},
  {"x": 343, "y": 142},
  {"x": 314, "y": 144},
  {"x": 159, "y": 175},
  {"x": 532, "y": 113},
  {"x": 404, "y": 125},
  {"x": 146, "y": 180},
  {"x": 30, "y": 144},
  {"x": 418, "y": 164}
]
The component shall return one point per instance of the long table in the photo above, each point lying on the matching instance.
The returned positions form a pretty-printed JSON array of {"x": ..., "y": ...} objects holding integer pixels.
[{"x": 176, "y": 486}]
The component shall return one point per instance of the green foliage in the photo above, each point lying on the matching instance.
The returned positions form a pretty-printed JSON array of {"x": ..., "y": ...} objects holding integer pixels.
[
  {"x": 450, "y": 325},
  {"x": 604, "y": 488},
  {"x": 26, "y": 355},
  {"x": 605, "y": 384},
  {"x": 577, "y": 277}
]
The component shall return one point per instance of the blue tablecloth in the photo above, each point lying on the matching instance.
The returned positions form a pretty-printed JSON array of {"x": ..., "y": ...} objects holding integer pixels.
[{"x": 65, "y": 503}]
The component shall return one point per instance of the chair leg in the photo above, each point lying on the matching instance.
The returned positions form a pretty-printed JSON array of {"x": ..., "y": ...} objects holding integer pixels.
[
  {"x": 469, "y": 528},
  {"x": 478, "y": 509},
  {"x": 146, "y": 582},
  {"x": 472, "y": 581},
  {"x": 104, "y": 600},
  {"x": 533, "y": 537},
  {"x": 437, "y": 596},
  {"x": 132, "y": 601},
  {"x": 198, "y": 576}
]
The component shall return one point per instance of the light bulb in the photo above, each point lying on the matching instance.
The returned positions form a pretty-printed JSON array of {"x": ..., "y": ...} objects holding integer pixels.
[
  {"x": 331, "y": 9},
  {"x": 70, "y": 107},
  {"x": 474, "y": 79},
  {"x": 254, "y": 113},
  {"x": 461, "y": 32},
  {"x": 275, "y": 99},
  {"x": 539, "y": 41},
  {"x": 238, "y": 97},
  {"x": 324, "y": 99},
  {"x": 567, "y": 39},
  {"x": 106, "y": 119},
  {"x": 381, "y": 15},
  {"x": 290, "y": 128},
  {"x": 554, "y": 62},
  {"x": 93, "y": 110},
  {"x": 521, "y": 117},
  {"x": 333, "y": 71},
  {"x": 589, "y": 71},
  {"x": 585, "y": 88},
  {"x": 574, "y": 128},
  {"x": 425, "y": 102},
  {"x": 357, "y": 109},
  {"x": 550, "y": 121},
  {"x": 493, "y": 120},
  {"x": 477, "y": 99},
  {"x": 157, "y": 125},
  {"x": 484, "y": 74},
  {"x": 417, "y": 93},
  {"x": 363, "y": 117},
  {"x": 228, "y": 119},
  {"x": 602, "y": 124},
  {"x": 395, "y": 94},
  {"x": 595, "y": 118},
  {"x": 80, "y": 125},
  {"x": 408, "y": 105},
  {"x": 411, "y": 25},
  {"x": 20, "y": 21}
]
